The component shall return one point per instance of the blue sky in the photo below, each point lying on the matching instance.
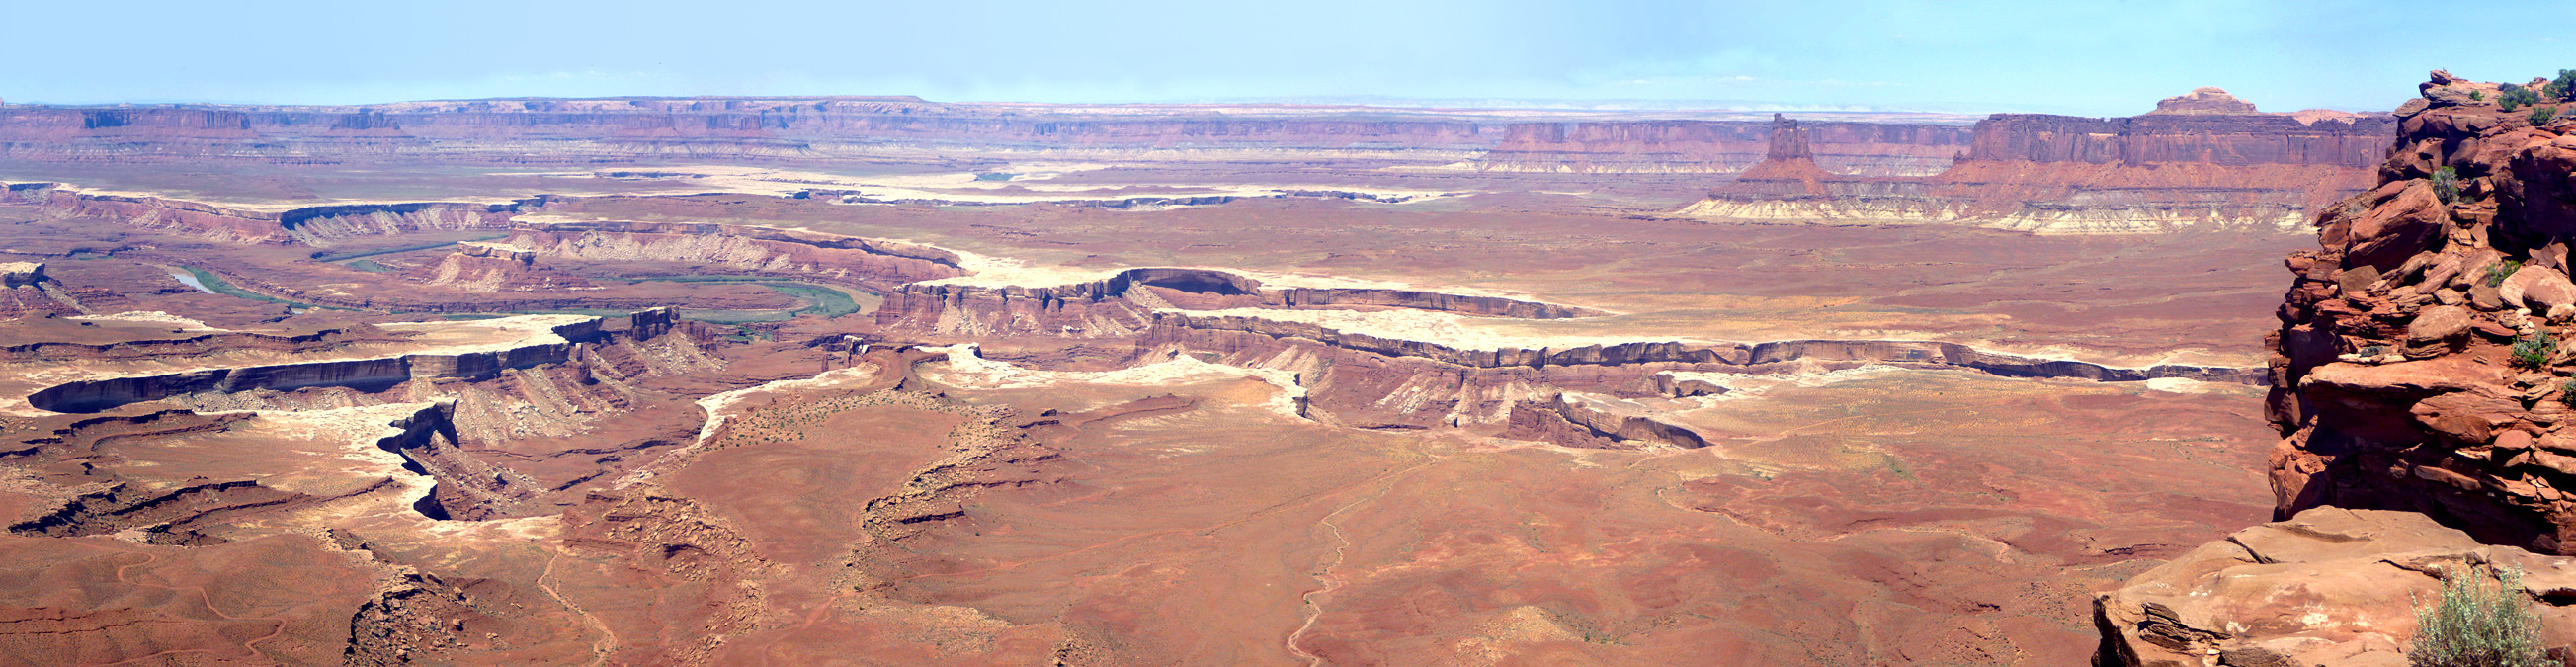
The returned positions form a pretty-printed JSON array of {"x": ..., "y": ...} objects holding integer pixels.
[{"x": 2104, "y": 58}]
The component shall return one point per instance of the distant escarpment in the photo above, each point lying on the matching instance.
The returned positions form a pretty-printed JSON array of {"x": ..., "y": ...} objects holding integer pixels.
[
  {"x": 1721, "y": 147},
  {"x": 562, "y": 131},
  {"x": 2422, "y": 366},
  {"x": 2201, "y": 164},
  {"x": 843, "y": 129}
]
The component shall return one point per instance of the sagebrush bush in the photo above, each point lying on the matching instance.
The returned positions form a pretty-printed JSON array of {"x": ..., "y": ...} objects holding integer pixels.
[
  {"x": 2480, "y": 621},
  {"x": 2446, "y": 182},
  {"x": 2542, "y": 115},
  {"x": 2533, "y": 352}
]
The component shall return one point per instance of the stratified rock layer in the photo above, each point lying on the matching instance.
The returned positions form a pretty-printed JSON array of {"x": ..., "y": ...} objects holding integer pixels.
[{"x": 2192, "y": 164}]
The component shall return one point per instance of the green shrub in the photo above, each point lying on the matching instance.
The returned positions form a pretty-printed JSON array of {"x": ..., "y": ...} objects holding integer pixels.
[
  {"x": 2446, "y": 182},
  {"x": 2477, "y": 95},
  {"x": 2563, "y": 87},
  {"x": 2479, "y": 621},
  {"x": 2542, "y": 115},
  {"x": 2497, "y": 272},
  {"x": 2567, "y": 394},
  {"x": 2516, "y": 97},
  {"x": 2533, "y": 352}
]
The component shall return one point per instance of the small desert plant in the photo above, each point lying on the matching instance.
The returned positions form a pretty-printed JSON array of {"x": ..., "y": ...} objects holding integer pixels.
[
  {"x": 2478, "y": 95},
  {"x": 2542, "y": 115},
  {"x": 2446, "y": 182},
  {"x": 2370, "y": 350},
  {"x": 2516, "y": 97},
  {"x": 2534, "y": 351},
  {"x": 2567, "y": 394},
  {"x": 2479, "y": 621},
  {"x": 2563, "y": 87},
  {"x": 2497, "y": 272}
]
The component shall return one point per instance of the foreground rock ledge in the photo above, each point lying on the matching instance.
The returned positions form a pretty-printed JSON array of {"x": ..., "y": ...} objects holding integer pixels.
[{"x": 2330, "y": 586}]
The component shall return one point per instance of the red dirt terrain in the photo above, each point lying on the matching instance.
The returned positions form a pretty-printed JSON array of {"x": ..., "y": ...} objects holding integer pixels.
[{"x": 883, "y": 381}]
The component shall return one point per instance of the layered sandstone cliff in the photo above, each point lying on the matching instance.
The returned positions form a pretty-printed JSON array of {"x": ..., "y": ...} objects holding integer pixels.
[
  {"x": 2193, "y": 164},
  {"x": 1719, "y": 147},
  {"x": 2419, "y": 368}
]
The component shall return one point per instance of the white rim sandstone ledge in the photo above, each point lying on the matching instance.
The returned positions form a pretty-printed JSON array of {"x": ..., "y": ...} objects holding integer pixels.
[
  {"x": 1443, "y": 337},
  {"x": 501, "y": 336}
]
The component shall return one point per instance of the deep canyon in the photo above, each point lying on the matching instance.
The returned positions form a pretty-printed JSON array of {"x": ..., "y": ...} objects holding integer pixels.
[{"x": 879, "y": 380}]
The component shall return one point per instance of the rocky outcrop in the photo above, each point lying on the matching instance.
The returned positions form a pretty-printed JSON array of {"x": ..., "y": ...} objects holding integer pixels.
[
  {"x": 21, "y": 274},
  {"x": 2419, "y": 369},
  {"x": 1589, "y": 421},
  {"x": 493, "y": 268},
  {"x": 2065, "y": 174},
  {"x": 2329, "y": 586},
  {"x": 2203, "y": 100},
  {"x": 2399, "y": 382}
]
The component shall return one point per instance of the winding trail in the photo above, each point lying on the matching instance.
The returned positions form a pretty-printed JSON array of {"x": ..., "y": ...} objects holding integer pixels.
[
  {"x": 1341, "y": 544},
  {"x": 607, "y": 638},
  {"x": 251, "y": 645}
]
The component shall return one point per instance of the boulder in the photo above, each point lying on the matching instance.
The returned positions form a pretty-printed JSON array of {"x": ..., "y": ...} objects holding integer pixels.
[
  {"x": 2438, "y": 324},
  {"x": 2538, "y": 288},
  {"x": 2396, "y": 229}
]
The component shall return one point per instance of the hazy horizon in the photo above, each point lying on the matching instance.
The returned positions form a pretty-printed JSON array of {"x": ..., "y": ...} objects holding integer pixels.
[{"x": 1856, "y": 55}]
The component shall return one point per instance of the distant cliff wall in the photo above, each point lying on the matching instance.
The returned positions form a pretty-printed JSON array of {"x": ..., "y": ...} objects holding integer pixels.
[
  {"x": 2063, "y": 174},
  {"x": 1691, "y": 146}
]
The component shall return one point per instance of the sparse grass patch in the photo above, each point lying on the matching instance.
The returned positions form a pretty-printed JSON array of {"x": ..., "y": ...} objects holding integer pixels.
[{"x": 2497, "y": 272}]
